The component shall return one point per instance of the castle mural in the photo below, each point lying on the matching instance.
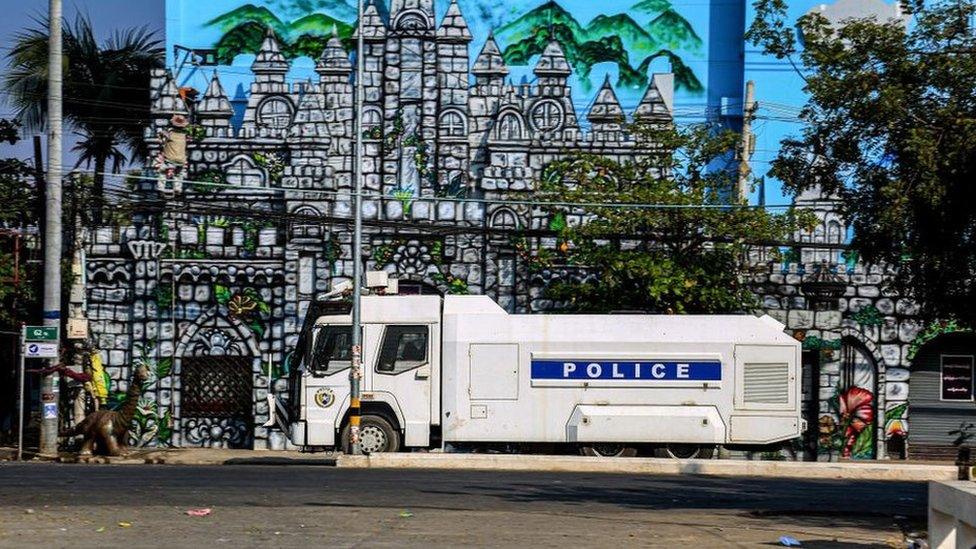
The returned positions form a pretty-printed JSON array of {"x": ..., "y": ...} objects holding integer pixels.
[{"x": 209, "y": 286}]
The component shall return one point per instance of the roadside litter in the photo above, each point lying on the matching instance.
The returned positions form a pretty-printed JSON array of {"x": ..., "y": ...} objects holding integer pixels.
[
  {"x": 788, "y": 541},
  {"x": 199, "y": 512}
]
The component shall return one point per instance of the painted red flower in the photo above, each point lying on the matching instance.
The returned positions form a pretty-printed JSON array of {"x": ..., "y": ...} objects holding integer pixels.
[{"x": 856, "y": 413}]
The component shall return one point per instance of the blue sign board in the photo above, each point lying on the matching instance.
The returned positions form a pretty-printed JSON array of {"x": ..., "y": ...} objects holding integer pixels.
[{"x": 645, "y": 370}]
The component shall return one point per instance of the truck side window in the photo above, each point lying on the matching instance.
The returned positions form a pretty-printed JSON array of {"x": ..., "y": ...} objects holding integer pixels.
[
  {"x": 332, "y": 350},
  {"x": 404, "y": 348}
]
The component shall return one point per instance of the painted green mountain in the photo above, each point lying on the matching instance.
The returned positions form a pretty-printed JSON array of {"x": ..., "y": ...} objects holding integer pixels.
[
  {"x": 617, "y": 39},
  {"x": 549, "y": 14},
  {"x": 244, "y": 29},
  {"x": 340, "y": 9},
  {"x": 684, "y": 77},
  {"x": 670, "y": 30},
  {"x": 651, "y": 6},
  {"x": 581, "y": 55},
  {"x": 634, "y": 38},
  {"x": 248, "y": 13}
]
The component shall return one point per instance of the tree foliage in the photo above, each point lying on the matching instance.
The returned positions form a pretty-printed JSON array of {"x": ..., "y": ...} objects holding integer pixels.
[
  {"x": 684, "y": 255},
  {"x": 890, "y": 128},
  {"x": 21, "y": 207},
  {"x": 18, "y": 210},
  {"x": 106, "y": 90}
]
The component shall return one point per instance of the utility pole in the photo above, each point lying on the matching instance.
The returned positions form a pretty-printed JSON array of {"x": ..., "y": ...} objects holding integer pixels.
[
  {"x": 355, "y": 370},
  {"x": 748, "y": 144},
  {"x": 52, "y": 229}
]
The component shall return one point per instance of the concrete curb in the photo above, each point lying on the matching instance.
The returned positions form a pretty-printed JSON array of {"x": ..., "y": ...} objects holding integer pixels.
[
  {"x": 891, "y": 471},
  {"x": 580, "y": 464},
  {"x": 207, "y": 457}
]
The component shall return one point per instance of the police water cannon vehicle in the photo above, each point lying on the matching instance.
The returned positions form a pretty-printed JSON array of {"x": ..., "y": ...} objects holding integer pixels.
[{"x": 459, "y": 371}]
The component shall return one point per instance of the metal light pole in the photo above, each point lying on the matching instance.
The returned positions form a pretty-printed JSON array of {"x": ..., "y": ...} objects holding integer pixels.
[
  {"x": 355, "y": 371},
  {"x": 745, "y": 155},
  {"x": 21, "y": 397},
  {"x": 52, "y": 228}
]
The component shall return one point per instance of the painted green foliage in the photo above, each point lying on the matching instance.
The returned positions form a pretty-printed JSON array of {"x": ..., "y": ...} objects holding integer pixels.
[
  {"x": 246, "y": 305},
  {"x": 150, "y": 425},
  {"x": 869, "y": 315},
  {"x": 617, "y": 39},
  {"x": 854, "y": 434},
  {"x": 244, "y": 29},
  {"x": 933, "y": 331}
]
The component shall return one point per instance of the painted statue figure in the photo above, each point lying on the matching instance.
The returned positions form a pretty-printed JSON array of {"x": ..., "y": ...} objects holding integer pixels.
[{"x": 106, "y": 431}]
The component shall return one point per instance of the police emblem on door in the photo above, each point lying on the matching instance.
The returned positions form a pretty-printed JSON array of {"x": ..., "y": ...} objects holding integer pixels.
[{"x": 324, "y": 397}]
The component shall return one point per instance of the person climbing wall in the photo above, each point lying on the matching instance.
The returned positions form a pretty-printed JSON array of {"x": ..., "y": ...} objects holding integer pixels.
[{"x": 171, "y": 163}]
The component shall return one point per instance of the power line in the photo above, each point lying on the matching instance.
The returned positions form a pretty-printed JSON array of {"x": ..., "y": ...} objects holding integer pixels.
[{"x": 531, "y": 203}]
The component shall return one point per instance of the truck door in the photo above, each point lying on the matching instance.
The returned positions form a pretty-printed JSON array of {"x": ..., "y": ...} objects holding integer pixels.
[
  {"x": 402, "y": 368},
  {"x": 327, "y": 383}
]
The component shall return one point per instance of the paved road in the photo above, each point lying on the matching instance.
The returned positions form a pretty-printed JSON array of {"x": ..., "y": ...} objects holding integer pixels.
[{"x": 49, "y": 505}]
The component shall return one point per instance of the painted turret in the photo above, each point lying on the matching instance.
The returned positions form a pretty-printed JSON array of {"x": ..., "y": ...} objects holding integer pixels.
[
  {"x": 606, "y": 114},
  {"x": 489, "y": 68},
  {"x": 374, "y": 29},
  {"x": 215, "y": 109},
  {"x": 453, "y": 27},
  {"x": 270, "y": 64},
  {"x": 658, "y": 102},
  {"x": 334, "y": 61}
]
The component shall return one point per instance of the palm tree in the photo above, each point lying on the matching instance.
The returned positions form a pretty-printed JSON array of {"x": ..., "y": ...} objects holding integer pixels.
[{"x": 106, "y": 92}]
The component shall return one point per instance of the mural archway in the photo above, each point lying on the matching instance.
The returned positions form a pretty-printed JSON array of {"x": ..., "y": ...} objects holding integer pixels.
[
  {"x": 217, "y": 359},
  {"x": 859, "y": 400}
]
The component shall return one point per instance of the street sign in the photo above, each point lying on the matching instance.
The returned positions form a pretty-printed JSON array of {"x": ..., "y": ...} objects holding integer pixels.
[
  {"x": 40, "y": 350},
  {"x": 41, "y": 333}
]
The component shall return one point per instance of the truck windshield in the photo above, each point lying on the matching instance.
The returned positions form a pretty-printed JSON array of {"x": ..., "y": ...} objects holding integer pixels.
[{"x": 332, "y": 350}]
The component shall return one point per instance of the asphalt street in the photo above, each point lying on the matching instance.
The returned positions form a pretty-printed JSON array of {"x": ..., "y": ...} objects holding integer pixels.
[{"x": 57, "y": 505}]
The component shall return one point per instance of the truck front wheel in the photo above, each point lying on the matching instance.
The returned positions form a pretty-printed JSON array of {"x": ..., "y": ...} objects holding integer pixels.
[{"x": 376, "y": 435}]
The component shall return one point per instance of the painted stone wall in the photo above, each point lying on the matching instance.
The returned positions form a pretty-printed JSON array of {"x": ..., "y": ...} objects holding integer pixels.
[{"x": 219, "y": 277}]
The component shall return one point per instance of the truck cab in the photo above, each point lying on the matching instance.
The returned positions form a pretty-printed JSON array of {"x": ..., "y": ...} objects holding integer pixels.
[{"x": 401, "y": 375}]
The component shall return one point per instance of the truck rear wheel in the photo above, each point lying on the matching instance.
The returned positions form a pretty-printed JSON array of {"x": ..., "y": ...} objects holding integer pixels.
[
  {"x": 684, "y": 451},
  {"x": 376, "y": 435},
  {"x": 608, "y": 450}
]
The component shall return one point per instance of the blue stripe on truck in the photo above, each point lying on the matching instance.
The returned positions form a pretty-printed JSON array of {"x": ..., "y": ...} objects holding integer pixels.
[{"x": 644, "y": 370}]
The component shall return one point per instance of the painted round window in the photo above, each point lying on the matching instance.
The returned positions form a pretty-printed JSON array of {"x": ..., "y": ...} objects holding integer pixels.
[
  {"x": 547, "y": 116},
  {"x": 275, "y": 112}
]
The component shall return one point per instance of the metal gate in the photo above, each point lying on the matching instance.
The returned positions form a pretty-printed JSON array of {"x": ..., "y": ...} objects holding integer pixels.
[{"x": 216, "y": 396}]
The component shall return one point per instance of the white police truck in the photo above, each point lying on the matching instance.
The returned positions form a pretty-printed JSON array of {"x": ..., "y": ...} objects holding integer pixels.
[{"x": 459, "y": 371}]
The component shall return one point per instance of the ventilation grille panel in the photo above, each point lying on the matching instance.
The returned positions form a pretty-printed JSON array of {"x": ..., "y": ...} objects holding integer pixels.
[{"x": 766, "y": 384}]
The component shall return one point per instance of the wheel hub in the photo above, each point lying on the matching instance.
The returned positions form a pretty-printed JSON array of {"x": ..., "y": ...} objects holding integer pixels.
[{"x": 372, "y": 439}]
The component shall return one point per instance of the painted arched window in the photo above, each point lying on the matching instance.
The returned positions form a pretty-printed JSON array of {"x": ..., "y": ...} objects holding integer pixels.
[
  {"x": 834, "y": 233},
  {"x": 452, "y": 124},
  {"x": 504, "y": 219},
  {"x": 372, "y": 118},
  {"x": 509, "y": 127},
  {"x": 275, "y": 112},
  {"x": 411, "y": 21}
]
